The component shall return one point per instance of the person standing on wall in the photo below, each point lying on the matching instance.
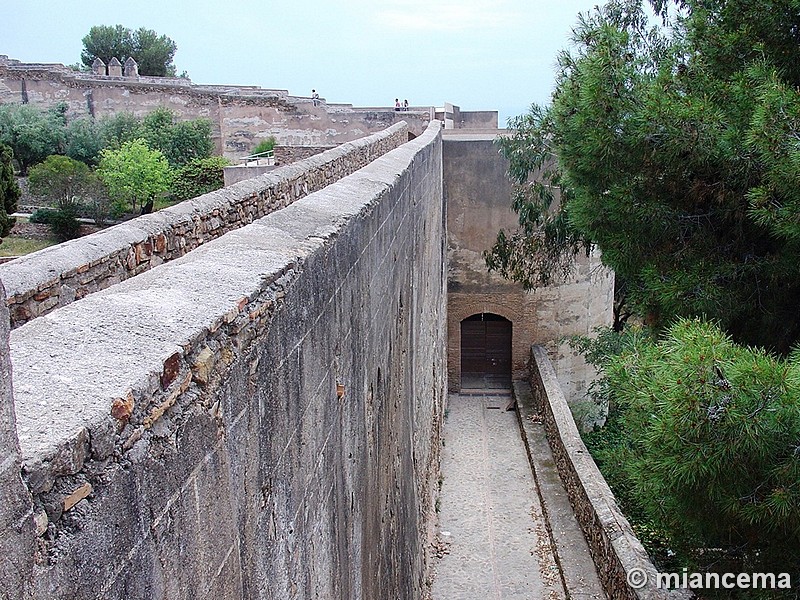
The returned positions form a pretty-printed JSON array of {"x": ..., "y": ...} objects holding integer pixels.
[
  {"x": 315, "y": 97},
  {"x": 397, "y": 104},
  {"x": 405, "y": 105}
]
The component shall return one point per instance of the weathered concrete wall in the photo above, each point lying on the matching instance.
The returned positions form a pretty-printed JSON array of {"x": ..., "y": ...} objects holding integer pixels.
[
  {"x": 241, "y": 116},
  {"x": 615, "y": 548},
  {"x": 477, "y": 119},
  {"x": 58, "y": 275},
  {"x": 478, "y": 196},
  {"x": 257, "y": 419},
  {"x": 17, "y": 539}
]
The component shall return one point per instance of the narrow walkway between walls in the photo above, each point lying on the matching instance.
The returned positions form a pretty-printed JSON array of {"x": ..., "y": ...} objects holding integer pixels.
[{"x": 493, "y": 539}]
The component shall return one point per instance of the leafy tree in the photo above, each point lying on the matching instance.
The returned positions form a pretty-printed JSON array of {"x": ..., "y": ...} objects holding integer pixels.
[
  {"x": 62, "y": 180},
  {"x": 179, "y": 141},
  {"x": 120, "y": 128},
  {"x": 32, "y": 134},
  {"x": 674, "y": 151},
  {"x": 9, "y": 190},
  {"x": 199, "y": 176},
  {"x": 134, "y": 174},
  {"x": 706, "y": 442},
  {"x": 153, "y": 53},
  {"x": 84, "y": 141}
]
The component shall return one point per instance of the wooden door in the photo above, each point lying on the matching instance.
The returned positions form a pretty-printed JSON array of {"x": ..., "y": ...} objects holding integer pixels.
[{"x": 485, "y": 351}]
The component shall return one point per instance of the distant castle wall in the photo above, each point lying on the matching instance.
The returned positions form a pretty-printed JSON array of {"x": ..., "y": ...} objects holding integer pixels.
[{"x": 240, "y": 115}]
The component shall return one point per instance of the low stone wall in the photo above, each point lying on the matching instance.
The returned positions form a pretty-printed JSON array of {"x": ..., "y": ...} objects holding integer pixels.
[
  {"x": 286, "y": 155},
  {"x": 616, "y": 550},
  {"x": 257, "y": 419},
  {"x": 56, "y": 276}
]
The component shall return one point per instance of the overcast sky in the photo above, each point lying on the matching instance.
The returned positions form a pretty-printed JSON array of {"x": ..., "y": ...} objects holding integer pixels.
[{"x": 478, "y": 54}]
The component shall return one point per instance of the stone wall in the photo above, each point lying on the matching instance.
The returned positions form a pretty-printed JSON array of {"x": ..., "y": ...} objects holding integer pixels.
[
  {"x": 478, "y": 196},
  {"x": 615, "y": 548},
  {"x": 286, "y": 155},
  {"x": 240, "y": 116},
  {"x": 17, "y": 540},
  {"x": 257, "y": 419},
  {"x": 58, "y": 275}
]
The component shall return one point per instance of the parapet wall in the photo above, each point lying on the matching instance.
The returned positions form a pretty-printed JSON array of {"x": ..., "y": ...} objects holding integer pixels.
[
  {"x": 56, "y": 276},
  {"x": 257, "y": 419},
  {"x": 616, "y": 550}
]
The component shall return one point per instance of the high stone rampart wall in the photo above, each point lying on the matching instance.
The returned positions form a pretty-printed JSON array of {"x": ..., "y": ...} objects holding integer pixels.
[
  {"x": 257, "y": 419},
  {"x": 45, "y": 280},
  {"x": 240, "y": 116}
]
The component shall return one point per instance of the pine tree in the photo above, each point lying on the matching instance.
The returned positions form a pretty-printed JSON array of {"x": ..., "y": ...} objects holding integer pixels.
[
  {"x": 9, "y": 190},
  {"x": 674, "y": 151}
]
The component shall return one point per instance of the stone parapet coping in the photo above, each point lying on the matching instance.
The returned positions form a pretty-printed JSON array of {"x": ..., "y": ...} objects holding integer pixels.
[
  {"x": 56, "y": 276},
  {"x": 614, "y": 547},
  {"x": 93, "y": 378}
]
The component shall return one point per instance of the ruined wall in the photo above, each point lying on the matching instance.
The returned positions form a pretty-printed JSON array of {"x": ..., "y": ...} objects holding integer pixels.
[
  {"x": 257, "y": 419},
  {"x": 58, "y": 275},
  {"x": 241, "y": 116},
  {"x": 615, "y": 549},
  {"x": 478, "y": 196}
]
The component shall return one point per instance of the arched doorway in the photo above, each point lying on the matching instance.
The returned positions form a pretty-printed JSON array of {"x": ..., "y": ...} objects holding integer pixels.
[{"x": 485, "y": 352}]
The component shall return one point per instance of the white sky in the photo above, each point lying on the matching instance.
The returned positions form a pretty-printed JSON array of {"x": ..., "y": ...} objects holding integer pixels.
[{"x": 478, "y": 54}]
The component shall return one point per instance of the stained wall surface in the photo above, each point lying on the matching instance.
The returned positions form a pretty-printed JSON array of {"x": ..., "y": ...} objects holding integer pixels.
[
  {"x": 257, "y": 419},
  {"x": 478, "y": 197}
]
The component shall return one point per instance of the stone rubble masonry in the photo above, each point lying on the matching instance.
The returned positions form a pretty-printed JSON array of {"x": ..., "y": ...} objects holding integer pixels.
[
  {"x": 240, "y": 115},
  {"x": 16, "y": 507},
  {"x": 614, "y": 547},
  {"x": 56, "y": 276},
  {"x": 259, "y": 418},
  {"x": 286, "y": 155}
]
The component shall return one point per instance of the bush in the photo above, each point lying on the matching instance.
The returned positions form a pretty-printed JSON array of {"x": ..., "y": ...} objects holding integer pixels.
[
  {"x": 704, "y": 443},
  {"x": 42, "y": 215},
  {"x": 198, "y": 177},
  {"x": 266, "y": 145},
  {"x": 64, "y": 223}
]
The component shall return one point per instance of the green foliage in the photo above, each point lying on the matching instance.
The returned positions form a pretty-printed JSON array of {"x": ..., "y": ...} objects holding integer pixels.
[
  {"x": 84, "y": 141},
  {"x": 199, "y": 176},
  {"x": 61, "y": 179},
  {"x": 9, "y": 190},
  {"x": 42, "y": 215},
  {"x": 704, "y": 441},
  {"x": 118, "y": 129},
  {"x": 153, "y": 53},
  {"x": 179, "y": 141},
  {"x": 134, "y": 174},
  {"x": 674, "y": 151},
  {"x": 64, "y": 222},
  {"x": 265, "y": 145},
  {"x": 32, "y": 134}
]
